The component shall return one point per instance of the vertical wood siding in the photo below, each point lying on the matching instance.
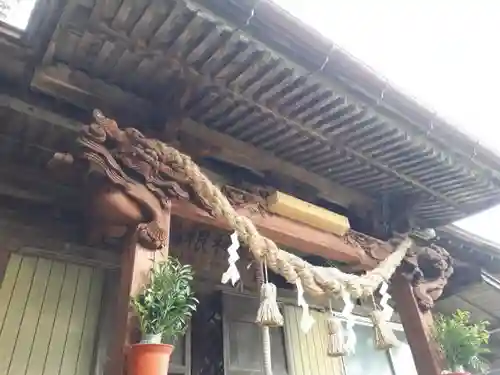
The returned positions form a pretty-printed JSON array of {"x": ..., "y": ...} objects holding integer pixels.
[
  {"x": 308, "y": 352},
  {"x": 49, "y": 314}
]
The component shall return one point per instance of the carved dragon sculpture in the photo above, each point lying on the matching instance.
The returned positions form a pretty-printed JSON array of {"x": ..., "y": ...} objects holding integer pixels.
[
  {"x": 126, "y": 180},
  {"x": 428, "y": 268}
]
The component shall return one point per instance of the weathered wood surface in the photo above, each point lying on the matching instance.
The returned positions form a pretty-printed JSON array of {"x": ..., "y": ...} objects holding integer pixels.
[
  {"x": 49, "y": 316},
  {"x": 147, "y": 51},
  {"x": 135, "y": 265},
  {"x": 418, "y": 328},
  {"x": 287, "y": 233},
  {"x": 287, "y": 95},
  {"x": 284, "y": 231},
  {"x": 31, "y": 134}
]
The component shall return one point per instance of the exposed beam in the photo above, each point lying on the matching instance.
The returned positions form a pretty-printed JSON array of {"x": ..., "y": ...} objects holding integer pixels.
[
  {"x": 78, "y": 89},
  {"x": 285, "y": 232},
  {"x": 236, "y": 151},
  {"x": 39, "y": 113}
]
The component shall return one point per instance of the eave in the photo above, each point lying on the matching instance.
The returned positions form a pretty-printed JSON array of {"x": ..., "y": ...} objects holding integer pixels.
[{"x": 132, "y": 57}]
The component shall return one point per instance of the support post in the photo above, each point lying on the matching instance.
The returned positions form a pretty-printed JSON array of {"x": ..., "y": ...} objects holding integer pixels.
[
  {"x": 417, "y": 326},
  {"x": 135, "y": 265},
  {"x": 4, "y": 260}
]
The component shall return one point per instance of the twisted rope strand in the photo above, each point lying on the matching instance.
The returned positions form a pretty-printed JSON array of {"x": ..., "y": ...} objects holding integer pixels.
[{"x": 316, "y": 280}]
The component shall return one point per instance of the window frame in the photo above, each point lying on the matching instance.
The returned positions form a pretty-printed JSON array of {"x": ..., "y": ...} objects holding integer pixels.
[{"x": 359, "y": 319}]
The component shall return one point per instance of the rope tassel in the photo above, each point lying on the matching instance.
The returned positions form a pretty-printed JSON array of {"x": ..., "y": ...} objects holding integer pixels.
[
  {"x": 269, "y": 314},
  {"x": 383, "y": 335},
  {"x": 335, "y": 337}
]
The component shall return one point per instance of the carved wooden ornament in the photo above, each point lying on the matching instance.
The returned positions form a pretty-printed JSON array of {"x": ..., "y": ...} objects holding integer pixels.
[
  {"x": 126, "y": 181},
  {"x": 428, "y": 268}
]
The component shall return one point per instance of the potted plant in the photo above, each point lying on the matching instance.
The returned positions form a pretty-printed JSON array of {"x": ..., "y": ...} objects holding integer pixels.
[
  {"x": 164, "y": 308},
  {"x": 462, "y": 342}
]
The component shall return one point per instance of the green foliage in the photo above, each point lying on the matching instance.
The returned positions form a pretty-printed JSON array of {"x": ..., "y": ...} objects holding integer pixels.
[
  {"x": 167, "y": 303},
  {"x": 463, "y": 343}
]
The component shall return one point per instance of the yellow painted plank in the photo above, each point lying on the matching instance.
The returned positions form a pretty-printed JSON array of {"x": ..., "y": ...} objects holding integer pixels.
[
  {"x": 15, "y": 311},
  {"x": 87, "y": 344},
  {"x": 7, "y": 288},
  {"x": 63, "y": 316},
  {"x": 76, "y": 322},
  {"x": 29, "y": 323},
  {"x": 307, "y": 213},
  {"x": 46, "y": 320}
]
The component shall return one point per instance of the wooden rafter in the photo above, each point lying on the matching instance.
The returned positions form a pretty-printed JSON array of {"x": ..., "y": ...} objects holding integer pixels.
[
  {"x": 229, "y": 149},
  {"x": 194, "y": 77},
  {"x": 332, "y": 144}
]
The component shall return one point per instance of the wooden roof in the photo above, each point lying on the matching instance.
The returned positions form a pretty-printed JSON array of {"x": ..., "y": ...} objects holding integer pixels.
[
  {"x": 262, "y": 78},
  {"x": 470, "y": 248}
]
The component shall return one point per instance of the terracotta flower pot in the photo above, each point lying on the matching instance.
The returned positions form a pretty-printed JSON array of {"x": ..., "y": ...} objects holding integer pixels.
[{"x": 149, "y": 359}]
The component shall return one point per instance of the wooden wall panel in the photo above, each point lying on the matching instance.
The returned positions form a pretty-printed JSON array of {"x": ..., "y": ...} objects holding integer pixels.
[
  {"x": 308, "y": 352},
  {"x": 49, "y": 319}
]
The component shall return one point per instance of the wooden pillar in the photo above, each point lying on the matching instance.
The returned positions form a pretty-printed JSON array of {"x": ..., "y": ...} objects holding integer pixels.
[
  {"x": 135, "y": 265},
  {"x": 417, "y": 326},
  {"x": 4, "y": 260}
]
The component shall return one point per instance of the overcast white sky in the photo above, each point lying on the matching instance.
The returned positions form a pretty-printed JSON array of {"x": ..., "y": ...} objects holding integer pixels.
[
  {"x": 19, "y": 12},
  {"x": 445, "y": 53}
]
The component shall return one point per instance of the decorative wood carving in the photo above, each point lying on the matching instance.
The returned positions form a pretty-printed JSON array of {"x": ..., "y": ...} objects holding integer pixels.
[
  {"x": 127, "y": 181},
  {"x": 375, "y": 249},
  {"x": 254, "y": 198},
  {"x": 428, "y": 268}
]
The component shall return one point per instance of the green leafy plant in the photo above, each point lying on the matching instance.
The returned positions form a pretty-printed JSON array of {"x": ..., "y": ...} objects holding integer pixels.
[
  {"x": 167, "y": 303},
  {"x": 463, "y": 343}
]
